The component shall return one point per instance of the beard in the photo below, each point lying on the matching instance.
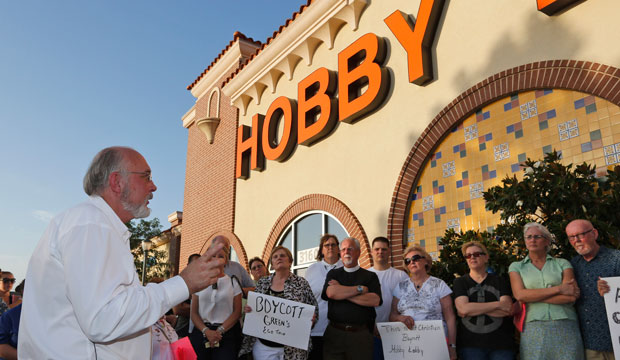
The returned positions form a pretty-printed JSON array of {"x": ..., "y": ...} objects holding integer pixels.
[
  {"x": 137, "y": 210},
  {"x": 347, "y": 260}
]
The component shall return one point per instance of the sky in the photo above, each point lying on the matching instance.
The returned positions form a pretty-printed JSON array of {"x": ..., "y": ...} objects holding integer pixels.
[{"x": 79, "y": 76}]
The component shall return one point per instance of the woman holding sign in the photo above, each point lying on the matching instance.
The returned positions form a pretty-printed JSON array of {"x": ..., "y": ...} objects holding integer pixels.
[
  {"x": 284, "y": 284},
  {"x": 547, "y": 286},
  {"x": 484, "y": 303},
  {"x": 423, "y": 297},
  {"x": 214, "y": 311}
]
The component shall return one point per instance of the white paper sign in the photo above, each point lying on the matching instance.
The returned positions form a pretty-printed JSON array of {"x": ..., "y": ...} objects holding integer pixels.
[
  {"x": 284, "y": 321},
  {"x": 612, "y": 305},
  {"x": 427, "y": 340}
]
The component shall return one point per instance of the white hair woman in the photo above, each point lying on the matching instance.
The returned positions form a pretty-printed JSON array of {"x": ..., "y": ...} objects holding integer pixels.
[
  {"x": 548, "y": 288},
  {"x": 423, "y": 297}
]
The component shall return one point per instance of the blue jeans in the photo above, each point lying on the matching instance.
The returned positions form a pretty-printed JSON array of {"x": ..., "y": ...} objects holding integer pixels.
[{"x": 472, "y": 353}]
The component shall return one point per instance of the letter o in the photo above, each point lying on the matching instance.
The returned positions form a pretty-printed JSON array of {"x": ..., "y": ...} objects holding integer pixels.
[{"x": 287, "y": 108}]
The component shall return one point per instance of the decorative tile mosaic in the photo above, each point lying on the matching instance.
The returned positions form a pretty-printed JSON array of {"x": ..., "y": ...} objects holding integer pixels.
[
  {"x": 579, "y": 126},
  {"x": 475, "y": 190},
  {"x": 501, "y": 151},
  {"x": 528, "y": 110},
  {"x": 471, "y": 132},
  {"x": 448, "y": 169},
  {"x": 568, "y": 130}
]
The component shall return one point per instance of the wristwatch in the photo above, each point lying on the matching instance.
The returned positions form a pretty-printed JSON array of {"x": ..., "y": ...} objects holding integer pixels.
[
  {"x": 221, "y": 329},
  {"x": 453, "y": 346},
  {"x": 360, "y": 289}
]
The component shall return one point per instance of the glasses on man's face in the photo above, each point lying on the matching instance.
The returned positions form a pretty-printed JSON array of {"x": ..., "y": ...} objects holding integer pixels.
[
  {"x": 414, "y": 258},
  {"x": 146, "y": 175},
  {"x": 476, "y": 255},
  {"x": 257, "y": 267},
  {"x": 579, "y": 236},
  {"x": 7, "y": 281},
  {"x": 534, "y": 237}
]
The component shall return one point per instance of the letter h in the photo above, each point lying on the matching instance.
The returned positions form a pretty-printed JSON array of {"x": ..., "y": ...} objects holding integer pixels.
[{"x": 249, "y": 150}]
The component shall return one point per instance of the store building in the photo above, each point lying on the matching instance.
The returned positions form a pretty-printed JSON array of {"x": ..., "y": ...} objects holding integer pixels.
[{"x": 351, "y": 120}]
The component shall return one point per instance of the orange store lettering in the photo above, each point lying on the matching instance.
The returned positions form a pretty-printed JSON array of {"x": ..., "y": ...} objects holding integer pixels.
[{"x": 362, "y": 83}]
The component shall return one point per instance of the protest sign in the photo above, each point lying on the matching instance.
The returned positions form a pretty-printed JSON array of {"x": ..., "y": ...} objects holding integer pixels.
[
  {"x": 426, "y": 340},
  {"x": 612, "y": 305},
  {"x": 284, "y": 321}
]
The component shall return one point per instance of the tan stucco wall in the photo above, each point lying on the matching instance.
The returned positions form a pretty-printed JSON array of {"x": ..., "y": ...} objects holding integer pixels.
[{"x": 359, "y": 163}]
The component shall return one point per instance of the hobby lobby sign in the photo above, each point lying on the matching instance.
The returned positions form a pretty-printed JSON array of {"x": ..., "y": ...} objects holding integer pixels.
[{"x": 360, "y": 86}]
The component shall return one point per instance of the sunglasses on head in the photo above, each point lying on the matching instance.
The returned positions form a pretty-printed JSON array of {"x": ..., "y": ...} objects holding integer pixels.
[
  {"x": 8, "y": 280},
  {"x": 414, "y": 258},
  {"x": 475, "y": 255}
]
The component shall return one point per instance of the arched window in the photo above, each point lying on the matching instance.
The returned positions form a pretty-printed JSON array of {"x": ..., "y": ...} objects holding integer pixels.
[{"x": 303, "y": 234}]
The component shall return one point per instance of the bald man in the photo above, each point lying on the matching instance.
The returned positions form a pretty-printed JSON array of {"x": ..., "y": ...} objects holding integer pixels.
[
  {"x": 593, "y": 262},
  {"x": 84, "y": 299}
]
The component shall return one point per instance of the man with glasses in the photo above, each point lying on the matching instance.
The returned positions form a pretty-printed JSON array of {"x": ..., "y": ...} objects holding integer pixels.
[
  {"x": 84, "y": 299},
  {"x": 389, "y": 279},
  {"x": 352, "y": 294},
  {"x": 258, "y": 268},
  {"x": 593, "y": 261}
]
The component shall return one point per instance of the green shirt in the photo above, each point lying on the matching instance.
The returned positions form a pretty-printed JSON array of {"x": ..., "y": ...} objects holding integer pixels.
[{"x": 549, "y": 276}]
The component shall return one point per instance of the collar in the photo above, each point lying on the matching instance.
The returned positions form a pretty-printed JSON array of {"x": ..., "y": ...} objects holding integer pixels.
[
  {"x": 337, "y": 264},
  {"x": 350, "y": 270},
  {"x": 98, "y": 202},
  {"x": 527, "y": 258}
]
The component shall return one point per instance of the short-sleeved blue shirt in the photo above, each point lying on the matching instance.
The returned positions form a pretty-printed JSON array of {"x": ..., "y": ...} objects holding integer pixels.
[
  {"x": 9, "y": 326},
  {"x": 591, "y": 305}
]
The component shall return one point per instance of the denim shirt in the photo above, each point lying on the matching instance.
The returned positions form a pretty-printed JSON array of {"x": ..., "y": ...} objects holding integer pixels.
[
  {"x": 591, "y": 305},
  {"x": 549, "y": 276}
]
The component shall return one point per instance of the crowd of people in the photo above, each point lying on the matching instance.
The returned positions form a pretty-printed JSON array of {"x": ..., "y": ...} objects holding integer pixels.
[{"x": 84, "y": 299}]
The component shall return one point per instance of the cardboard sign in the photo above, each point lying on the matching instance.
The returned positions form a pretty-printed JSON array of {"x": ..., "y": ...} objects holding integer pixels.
[
  {"x": 612, "y": 305},
  {"x": 283, "y": 321},
  {"x": 426, "y": 340}
]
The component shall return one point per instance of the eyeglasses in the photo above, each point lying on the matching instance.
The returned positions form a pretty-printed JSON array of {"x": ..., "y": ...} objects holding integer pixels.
[
  {"x": 330, "y": 245},
  {"x": 7, "y": 280},
  {"x": 579, "y": 236},
  {"x": 414, "y": 258},
  {"x": 476, "y": 255},
  {"x": 535, "y": 237},
  {"x": 257, "y": 266},
  {"x": 146, "y": 175}
]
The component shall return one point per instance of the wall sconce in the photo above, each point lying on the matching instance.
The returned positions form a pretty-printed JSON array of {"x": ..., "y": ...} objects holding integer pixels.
[{"x": 208, "y": 126}]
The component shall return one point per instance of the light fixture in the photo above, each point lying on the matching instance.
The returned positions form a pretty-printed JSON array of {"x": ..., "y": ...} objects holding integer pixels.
[
  {"x": 207, "y": 126},
  {"x": 146, "y": 246}
]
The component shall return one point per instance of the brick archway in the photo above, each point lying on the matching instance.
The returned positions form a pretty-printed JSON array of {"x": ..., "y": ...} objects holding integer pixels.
[
  {"x": 234, "y": 242},
  {"x": 328, "y": 204},
  {"x": 596, "y": 79}
]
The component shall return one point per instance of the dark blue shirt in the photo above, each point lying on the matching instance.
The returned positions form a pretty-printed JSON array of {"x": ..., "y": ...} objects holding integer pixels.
[
  {"x": 9, "y": 326},
  {"x": 591, "y": 305}
]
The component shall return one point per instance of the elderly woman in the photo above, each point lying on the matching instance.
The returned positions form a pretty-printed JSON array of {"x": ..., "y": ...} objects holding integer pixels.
[
  {"x": 547, "y": 286},
  {"x": 214, "y": 312},
  {"x": 423, "y": 297},
  {"x": 284, "y": 284},
  {"x": 328, "y": 258},
  {"x": 484, "y": 304}
]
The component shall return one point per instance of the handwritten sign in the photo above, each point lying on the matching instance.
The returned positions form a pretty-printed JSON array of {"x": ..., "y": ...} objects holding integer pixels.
[
  {"x": 612, "y": 305},
  {"x": 426, "y": 340},
  {"x": 283, "y": 321}
]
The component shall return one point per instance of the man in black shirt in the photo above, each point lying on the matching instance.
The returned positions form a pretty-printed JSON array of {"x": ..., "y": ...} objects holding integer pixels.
[{"x": 352, "y": 294}]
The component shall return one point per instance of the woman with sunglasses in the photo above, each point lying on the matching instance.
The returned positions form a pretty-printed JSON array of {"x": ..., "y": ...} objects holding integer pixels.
[
  {"x": 8, "y": 299},
  {"x": 423, "y": 297},
  {"x": 328, "y": 258},
  {"x": 484, "y": 304},
  {"x": 548, "y": 288}
]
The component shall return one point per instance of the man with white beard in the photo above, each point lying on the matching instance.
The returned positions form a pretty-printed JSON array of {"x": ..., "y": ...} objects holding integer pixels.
[
  {"x": 352, "y": 294},
  {"x": 84, "y": 299}
]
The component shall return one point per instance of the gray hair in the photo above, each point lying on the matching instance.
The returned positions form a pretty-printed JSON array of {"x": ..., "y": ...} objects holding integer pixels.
[
  {"x": 106, "y": 162},
  {"x": 542, "y": 228},
  {"x": 357, "y": 243}
]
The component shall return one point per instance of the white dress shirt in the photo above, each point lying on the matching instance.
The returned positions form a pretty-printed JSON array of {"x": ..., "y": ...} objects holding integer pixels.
[
  {"x": 315, "y": 275},
  {"x": 84, "y": 299}
]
